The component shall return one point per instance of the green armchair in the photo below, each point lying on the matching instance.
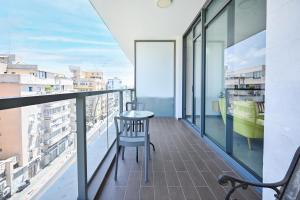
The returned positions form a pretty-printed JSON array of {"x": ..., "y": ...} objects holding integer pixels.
[{"x": 246, "y": 119}]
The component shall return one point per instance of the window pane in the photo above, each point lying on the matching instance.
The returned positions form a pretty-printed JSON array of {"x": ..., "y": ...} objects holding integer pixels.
[
  {"x": 197, "y": 75},
  {"x": 213, "y": 9},
  {"x": 215, "y": 110},
  {"x": 189, "y": 78},
  {"x": 197, "y": 29},
  {"x": 249, "y": 18}
]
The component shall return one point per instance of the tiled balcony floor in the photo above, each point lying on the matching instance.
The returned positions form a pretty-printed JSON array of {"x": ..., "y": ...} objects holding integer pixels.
[{"x": 183, "y": 167}]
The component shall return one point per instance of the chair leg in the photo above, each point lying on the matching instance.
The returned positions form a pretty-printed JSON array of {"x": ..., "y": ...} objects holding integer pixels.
[
  {"x": 147, "y": 149},
  {"x": 152, "y": 146},
  {"x": 249, "y": 144},
  {"x": 123, "y": 151},
  {"x": 151, "y": 143},
  {"x": 117, "y": 158},
  {"x": 137, "y": 154}
]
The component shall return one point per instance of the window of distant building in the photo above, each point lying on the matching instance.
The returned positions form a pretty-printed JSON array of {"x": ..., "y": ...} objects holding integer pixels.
[{"x": 30, "y": 89}]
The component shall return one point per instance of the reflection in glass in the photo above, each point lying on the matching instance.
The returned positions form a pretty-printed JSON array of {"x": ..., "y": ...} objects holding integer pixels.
[
  {"x": 245, "y": 82},
  {"x": 189, "y": 78},
  {"x": 245, "y": 86}
]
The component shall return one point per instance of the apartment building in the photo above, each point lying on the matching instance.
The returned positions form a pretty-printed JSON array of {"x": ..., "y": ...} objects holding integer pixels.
[
  {"x": 91, "y": 81},
  {"x": 5, "y": 59},
  {"x": 114, "y": 84},
  {"x": 6, "y": 166},
  {"x": 39, "y": 133}
]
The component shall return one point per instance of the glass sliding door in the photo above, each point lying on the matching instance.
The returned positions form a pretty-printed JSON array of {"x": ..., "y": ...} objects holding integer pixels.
[
  {"x": 235, "y": 79},
  {"x": 189, "y": 77},
  {"x": 193, "y": 74},
  {"x": 245, "y": 82},
  {"x": 215, "y": 105}
]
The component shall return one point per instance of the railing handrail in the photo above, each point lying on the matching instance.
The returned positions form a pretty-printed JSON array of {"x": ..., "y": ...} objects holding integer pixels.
[{"x": 16, "y": 102}]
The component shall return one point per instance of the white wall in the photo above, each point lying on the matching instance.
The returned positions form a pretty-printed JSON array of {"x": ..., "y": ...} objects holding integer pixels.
[
  {"x": 178, "y": 81},
  {"x": 282, "y": 120},
  {"x": 155, "y": 69}
]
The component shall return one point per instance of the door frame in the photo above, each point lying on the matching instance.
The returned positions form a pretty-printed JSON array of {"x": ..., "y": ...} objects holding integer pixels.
[{"x": 191, "y": 29}]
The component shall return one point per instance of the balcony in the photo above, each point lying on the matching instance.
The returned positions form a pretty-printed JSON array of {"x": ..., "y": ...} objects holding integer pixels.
[{"x": 207, "y": 69}]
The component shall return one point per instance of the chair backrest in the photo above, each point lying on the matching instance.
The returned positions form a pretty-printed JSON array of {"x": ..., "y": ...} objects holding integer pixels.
[
  {"x": 134, "y": 105},
  {"x": 130, "y": 127},
  {"x": 291, "y": 189}
]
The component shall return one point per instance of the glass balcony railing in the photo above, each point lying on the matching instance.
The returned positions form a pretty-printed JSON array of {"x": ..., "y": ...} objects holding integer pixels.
[{"x": 48, "y": 156}]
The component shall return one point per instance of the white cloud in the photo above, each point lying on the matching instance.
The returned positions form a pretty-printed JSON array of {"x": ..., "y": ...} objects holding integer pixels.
[{"x": 70, "y": 40}]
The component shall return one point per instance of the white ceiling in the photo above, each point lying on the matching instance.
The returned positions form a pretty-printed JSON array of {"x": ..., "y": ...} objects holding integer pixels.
[{"x": 129, "y": 20}]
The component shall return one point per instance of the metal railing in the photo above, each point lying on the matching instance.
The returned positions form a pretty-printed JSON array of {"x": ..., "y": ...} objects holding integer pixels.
[{"x": 80, "y": 97}]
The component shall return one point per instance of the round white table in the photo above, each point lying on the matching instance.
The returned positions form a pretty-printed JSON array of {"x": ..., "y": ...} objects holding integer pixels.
[{"x": 136, "y": 114}]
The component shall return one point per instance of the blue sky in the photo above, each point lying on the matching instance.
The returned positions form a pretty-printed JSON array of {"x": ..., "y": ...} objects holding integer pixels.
[
  {"x": 55, "y": 34},
  {"x": 247, "y": 53}
]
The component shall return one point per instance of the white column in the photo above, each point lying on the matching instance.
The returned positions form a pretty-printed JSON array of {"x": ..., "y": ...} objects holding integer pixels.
[{"x": 282, "y": 117}]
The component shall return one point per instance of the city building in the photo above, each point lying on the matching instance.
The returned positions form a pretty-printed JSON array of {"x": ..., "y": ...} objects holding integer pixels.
[
  {"x": 91, "y": 81},
  {"x": 6, "y": 178},
  {"x": 5, "y": 60},
  {"x": 246, "y": 78},
  {"x": 87, "y": 80},
  {"x": 114, "y": 84},
  {"x": 39, "y": 133}
]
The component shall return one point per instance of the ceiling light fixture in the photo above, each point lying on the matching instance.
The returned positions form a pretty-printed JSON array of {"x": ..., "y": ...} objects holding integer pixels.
[{"x": 163, "y": 3}]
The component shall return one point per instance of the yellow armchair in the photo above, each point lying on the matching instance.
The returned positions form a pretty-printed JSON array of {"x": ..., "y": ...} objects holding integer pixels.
[{"x": 246, "y": 119}]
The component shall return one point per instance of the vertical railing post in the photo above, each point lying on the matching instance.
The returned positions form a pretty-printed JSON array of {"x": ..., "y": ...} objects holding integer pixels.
[
  {"x": 81, "y": 148},
  {"x": 131, "y": 95},
  {"x": 121, "y": 102},
  {"x": 107, "y": 115},
  {"x": 229, "y": 125}
]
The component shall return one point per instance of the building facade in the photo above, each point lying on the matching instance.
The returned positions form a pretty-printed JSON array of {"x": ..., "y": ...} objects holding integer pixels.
[
  {"x": 6, "y": 178},
  {"x": 40, "y": 133},
  {"x": 91, "y": 81},
  {"x": 114, "y": 84}
]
